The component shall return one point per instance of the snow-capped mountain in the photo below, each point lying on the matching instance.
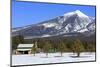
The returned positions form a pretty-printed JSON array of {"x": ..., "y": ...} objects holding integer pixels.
[{"x": 72, "y": 22}]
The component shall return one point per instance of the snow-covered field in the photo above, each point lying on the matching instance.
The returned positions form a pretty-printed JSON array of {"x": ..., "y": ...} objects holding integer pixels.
[{"x": 41, "y": 58}]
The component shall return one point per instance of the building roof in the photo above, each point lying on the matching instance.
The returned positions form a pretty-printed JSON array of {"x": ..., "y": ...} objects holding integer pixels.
[{"x": 25, "y": 45}]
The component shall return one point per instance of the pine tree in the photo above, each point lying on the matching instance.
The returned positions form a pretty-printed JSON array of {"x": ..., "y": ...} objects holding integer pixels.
[
  {"x": 47, "y": 47},
  {"x": 91, "y": 47},
  {"x": 55, "y": 45},
  {"x": 61, "y": 47},
  {"x": 17, "y": 40},
  {"x": 34, "y": 49},
  {"x": 77, "y": 47}
]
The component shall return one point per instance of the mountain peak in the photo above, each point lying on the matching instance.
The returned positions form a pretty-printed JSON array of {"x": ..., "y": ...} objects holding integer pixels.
[
  {"x": 81, "y": 14},
  {"x": 78, "y": 12}
]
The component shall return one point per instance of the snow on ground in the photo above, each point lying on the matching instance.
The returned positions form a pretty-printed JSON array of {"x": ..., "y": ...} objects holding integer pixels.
[{"x": 41, "y": 58}]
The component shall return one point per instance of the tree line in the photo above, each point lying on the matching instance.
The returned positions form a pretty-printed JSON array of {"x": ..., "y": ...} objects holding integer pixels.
[{"x": 52, "y": 45}]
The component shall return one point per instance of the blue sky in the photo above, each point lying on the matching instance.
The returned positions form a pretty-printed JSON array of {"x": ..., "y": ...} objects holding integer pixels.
[{"x": 26, "y": 13}]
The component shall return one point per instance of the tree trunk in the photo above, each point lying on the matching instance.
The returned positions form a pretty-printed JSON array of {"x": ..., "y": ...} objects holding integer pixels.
[
  {"x": 78, "y": 54},
  {"x": 54, "y": 49},
  {"x": 61, "y": 54},
  {"x": 46, "y": 54},
  {"x": 34, "y": 53}
]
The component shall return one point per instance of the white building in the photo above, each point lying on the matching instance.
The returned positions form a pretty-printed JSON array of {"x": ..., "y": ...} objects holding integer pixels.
[{"x": 24, "y": 49}]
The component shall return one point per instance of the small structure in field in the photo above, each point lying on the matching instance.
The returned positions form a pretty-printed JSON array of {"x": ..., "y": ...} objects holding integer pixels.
[{"x": 24, "y": 49}]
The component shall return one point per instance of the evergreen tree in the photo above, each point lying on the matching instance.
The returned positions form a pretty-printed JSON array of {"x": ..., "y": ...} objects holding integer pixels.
[
  {"x": 55, "y": 45},
  {"x": 34, "y": 49},
  {"x": 41, "y": 42},
  {"x": 91, "y": 47},
  {"x": 61, "y": 47},
  {"x": 77, "y": 47},
  {"x": 47, "y": 47},
  {"x": 17, "y": 40}
]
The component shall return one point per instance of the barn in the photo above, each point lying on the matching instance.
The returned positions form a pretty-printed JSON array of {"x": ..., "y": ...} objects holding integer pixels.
[{"x": 24, "y": 49}]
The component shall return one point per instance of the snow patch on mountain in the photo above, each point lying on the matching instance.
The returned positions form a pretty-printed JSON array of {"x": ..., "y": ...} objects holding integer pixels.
[
  {"x": 20, "y": 28},
  {"x": 83, "y": 30},
  {"x": 47, "y": 25},
  {"x": 45, "y": 35}
]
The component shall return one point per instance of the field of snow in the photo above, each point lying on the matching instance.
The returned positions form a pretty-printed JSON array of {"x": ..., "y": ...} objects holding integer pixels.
[{"x": 40, "y": 58}]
